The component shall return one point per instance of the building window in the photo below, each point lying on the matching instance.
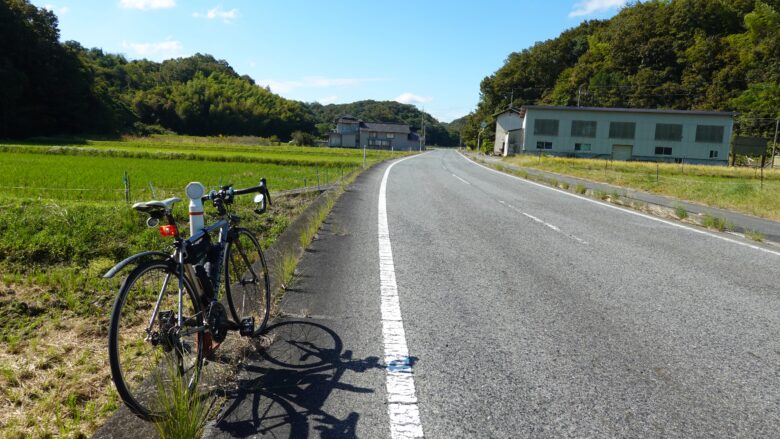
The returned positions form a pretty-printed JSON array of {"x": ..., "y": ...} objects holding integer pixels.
[
  {"x": 663, "y": 150},
  {"x": 709, "y": 133},
  {"x": 713, "y": 154},
  {"x": 390, "y": 136},
  {"x": 378, "y": 142},
  {"x": 582, "y": 146},
  {"x": 583, "y": 128},
  {"x": 546, "y": 127},
  {"x": 372, "y": 134},
  {"x": 668, "y": 131},
  {"x": 622, "y": 130},
  {"x": 544, "y": 145}
]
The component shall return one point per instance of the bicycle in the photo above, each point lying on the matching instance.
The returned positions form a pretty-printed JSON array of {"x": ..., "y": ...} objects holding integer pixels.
[{"x": 156, "y": 322}]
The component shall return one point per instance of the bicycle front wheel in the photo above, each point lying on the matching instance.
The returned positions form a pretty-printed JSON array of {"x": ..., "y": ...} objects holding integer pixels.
[
  {"x": 151, "y": 357},
  {"x": 247, "y": 286}
]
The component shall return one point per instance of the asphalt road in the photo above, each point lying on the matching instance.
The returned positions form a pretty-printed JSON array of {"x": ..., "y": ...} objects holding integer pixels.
[{"x": 527, "y": 313}]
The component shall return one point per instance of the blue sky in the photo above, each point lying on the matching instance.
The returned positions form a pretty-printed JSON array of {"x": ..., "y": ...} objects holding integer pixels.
[{"x": 429, "y": 53}]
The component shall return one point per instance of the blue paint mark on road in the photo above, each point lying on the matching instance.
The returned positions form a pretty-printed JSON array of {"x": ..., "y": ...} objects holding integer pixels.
[{"x": 400, "y": 365}]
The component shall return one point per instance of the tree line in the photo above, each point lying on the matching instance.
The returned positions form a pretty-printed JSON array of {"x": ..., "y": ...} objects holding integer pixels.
[
  {"x": 719, "y": 55},
  {"x": 53, "y": 88}
]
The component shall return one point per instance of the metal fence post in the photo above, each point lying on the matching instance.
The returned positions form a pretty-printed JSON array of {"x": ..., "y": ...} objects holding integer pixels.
[{"x": 126, "y": 181}]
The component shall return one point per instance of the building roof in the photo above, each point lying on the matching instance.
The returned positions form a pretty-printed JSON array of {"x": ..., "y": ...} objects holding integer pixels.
[
  {"x": 383, "y": 127},
  {"x": 348, "y": 119},
  {"x": 519, "y": 111},
  {"x": 631, "y": 110}
]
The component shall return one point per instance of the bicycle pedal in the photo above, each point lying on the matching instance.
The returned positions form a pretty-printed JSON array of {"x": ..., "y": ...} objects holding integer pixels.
[{"x": 247, "y": 327}]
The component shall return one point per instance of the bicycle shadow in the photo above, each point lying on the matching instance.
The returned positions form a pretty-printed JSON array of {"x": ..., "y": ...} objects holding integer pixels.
[{"x": 282, "y": 391}]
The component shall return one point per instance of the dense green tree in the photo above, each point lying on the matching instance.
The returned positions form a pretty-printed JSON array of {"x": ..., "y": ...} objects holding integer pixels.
[
  {"x": 683, "y": 54},
  {"x": 48, "y": 87},
  {"x": 43, "y": 87}
]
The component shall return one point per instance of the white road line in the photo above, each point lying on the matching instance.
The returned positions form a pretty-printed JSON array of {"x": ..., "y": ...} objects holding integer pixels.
[
  {"x": 461, "y": 179},
  {"x": 542, "y": 222},
  {"x": 401, "y": 398},
  {"x": 627, "y": 211},
  {"x": 535, "y": 219}
]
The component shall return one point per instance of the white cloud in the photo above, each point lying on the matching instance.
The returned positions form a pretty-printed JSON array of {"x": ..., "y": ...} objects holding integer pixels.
[
  {"x": 328, "y": 100},
  {"x": 590, "y": 7},
  {"x": 410, "y": 98},
  {"x": 286, "y": 86},
  {"x": 218, "y": 13},
  {"x": 62, "y": 10},
  {"x": 158, "y": 50},
  {"x": 147, "y": 4}
]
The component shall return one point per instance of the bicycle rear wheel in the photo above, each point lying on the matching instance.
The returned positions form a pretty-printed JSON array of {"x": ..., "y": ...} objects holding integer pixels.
[
  {"x": 152, "y": 360},
  {"x": 247, "y": 286}
]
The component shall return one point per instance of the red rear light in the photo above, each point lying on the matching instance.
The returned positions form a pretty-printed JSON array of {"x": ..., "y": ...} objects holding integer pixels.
[{"x": 168, "y": 230}]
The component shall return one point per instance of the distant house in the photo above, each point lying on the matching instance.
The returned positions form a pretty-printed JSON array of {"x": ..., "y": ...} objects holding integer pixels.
[
  {"x": 354, "y": 133},
  {"x": 616, "y": 133}
]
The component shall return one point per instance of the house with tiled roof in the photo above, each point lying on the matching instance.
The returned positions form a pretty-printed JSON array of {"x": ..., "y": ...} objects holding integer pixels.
[{"x": 352, "y": 132}]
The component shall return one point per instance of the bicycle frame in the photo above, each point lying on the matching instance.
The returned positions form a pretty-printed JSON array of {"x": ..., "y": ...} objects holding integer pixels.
[{"x": 188, "y": 270}]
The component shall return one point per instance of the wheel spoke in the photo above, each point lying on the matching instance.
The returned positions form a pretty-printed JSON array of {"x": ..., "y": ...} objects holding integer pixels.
[{"x": 144, "y": 333}]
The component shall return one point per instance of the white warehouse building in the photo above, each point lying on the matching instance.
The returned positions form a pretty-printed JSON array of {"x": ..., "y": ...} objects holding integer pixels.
[{"x": 617, "y": 133}]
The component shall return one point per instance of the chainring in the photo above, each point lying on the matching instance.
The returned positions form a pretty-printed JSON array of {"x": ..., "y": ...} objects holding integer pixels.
[{"x": 218, "y": 321}]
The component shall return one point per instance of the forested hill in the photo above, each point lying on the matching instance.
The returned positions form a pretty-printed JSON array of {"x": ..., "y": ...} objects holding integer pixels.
[
  {"x": 680, "y": 54},
  {"x": 385, "y": 111},
  {"x": 52, "y": 88}
]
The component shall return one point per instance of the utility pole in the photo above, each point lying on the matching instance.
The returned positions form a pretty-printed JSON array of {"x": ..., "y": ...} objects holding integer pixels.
[
  {"x": 422, "y": 128},
  {"x": 482, "y": 126},
  {"x": 774, "y": 145},
  {"x": 579, "y": 94}
]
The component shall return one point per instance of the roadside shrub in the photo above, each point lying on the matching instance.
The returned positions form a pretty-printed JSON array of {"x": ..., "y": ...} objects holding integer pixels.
[
  {"x": 299, "y": 138},
  {"x": 754, "y": 235},
  {"x": 184, "y": 412},
  {"x": 580, "y": 189},
  {"x": 680, "y": 212},
  {"x": 713, "y": 222}
]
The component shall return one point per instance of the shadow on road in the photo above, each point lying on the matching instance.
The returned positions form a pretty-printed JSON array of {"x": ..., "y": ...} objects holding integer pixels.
[{"x": 282, "y": 391}]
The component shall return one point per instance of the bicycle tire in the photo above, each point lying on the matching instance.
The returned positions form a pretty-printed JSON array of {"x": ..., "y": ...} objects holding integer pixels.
[
  {"x": 243, "y": 257},
  {"x": 140, "y": 385}
]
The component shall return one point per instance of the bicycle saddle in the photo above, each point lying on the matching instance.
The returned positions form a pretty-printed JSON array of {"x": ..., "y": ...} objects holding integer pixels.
[{"x": 154, "y": 205}]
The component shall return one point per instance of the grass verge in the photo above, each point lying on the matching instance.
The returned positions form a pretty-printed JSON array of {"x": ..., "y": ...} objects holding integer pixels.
[
  {"x": 738, "y": 189},
  {"x": 678, "y": 212}
]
